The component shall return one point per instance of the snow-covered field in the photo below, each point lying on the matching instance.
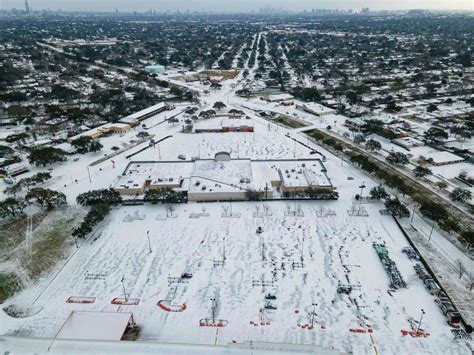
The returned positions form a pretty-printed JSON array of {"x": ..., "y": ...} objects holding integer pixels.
[{"x": 333, "y": 247}]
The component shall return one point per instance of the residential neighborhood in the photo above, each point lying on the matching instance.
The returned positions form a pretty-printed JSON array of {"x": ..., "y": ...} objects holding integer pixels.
[{"x": 265, "y": 181}]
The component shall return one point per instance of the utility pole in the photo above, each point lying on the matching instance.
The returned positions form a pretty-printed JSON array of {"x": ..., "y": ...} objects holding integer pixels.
[
  {"x": 259, "y": 233},
  {"x": 213, "y": 309},
  {"x": 302, "y": 248},
  {"x": 362, "y": 187},
  {"x": 413, "y": 213},
  {"x": 89, "y": 173},
  {"x": 124, "y": 291},
  {"x": 223, "y": 248},
  {"x": 313, "y": 314},
  {"x": 421, "y": 318},
  {"x": 148, "y": 236},
  {"x": 431, "y": 233}
]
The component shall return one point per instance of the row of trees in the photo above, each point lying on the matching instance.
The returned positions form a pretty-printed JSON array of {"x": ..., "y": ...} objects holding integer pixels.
[
  {"x": 393, "y": 205},
  {"x": 86, "y": 144},
  {"x": 100, "y": 202},
  {"x": 12, "y": 206},
  {"x": 429, "y": 207},
  {"x": 47, "y": 155},
  {"x": 28, "y": 182}
]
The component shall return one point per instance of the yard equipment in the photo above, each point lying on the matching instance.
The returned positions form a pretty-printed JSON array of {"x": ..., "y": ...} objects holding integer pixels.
[
  {"x": 213, "y": 321},
  {"x": 396, "y": 279},
  {"x": 167, "y": 306},
  {"x": 452, "y": 316},
  {"x": 432, "y": 286},
  {"x": 410, "y": 253},
  {"x": 80, "y": 299},
  {"x": 347, "y": 289},
  {"x": 270, "y": 305},
  {"x": 126, "y": 301}
]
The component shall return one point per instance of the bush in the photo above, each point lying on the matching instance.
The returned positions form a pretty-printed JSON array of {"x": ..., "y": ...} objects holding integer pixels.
[
  {"x": 313, "y": 193},
  {"x": 9, "y": 284},
  {"x": 166, "y": 195}
]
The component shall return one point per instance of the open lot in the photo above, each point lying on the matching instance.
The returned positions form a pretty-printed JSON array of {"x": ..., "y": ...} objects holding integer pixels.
[{"x": 334, "y": 247}]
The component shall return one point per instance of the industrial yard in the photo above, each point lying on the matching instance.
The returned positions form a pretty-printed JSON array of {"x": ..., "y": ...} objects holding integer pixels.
[{"x": 300, "y": 259}]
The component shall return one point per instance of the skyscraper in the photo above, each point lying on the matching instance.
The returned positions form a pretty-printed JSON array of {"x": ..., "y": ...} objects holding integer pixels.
[{"x": 27, "y": 7}]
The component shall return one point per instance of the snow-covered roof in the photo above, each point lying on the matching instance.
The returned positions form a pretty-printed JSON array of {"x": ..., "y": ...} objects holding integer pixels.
[
  {"x": 222, "y": 176},
  {"x": 158, "y": 173},
  {"x": 95, "y": 325},
  {"x": 442, "y": 157},
  {"x": 315, "y": 108},
  {"x": 279, "y": 97},
  {"x": 229, "y": 122},
  {"x": 148, "y": 110}
]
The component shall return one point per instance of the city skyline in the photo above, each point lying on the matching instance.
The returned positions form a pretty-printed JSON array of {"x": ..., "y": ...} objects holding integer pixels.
[{"x": 240, "y": 6}]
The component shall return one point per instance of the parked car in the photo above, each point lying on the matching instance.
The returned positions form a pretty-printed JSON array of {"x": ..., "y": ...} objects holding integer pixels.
[{"x": 186, "y": 275}]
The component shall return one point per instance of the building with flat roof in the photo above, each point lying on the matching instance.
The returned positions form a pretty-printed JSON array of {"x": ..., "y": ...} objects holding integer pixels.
[
  {"x": 155, "y": 69},
  {"x": 224, "y": 125},
  {"x": 102, "y": 131},
  {"x": 135, "y": 118},
  {"x": 278, "y": 98},
  {"x": 314, "y": 108},
  {"x": 439, "y": 158},
  {"x": 224, "y": 179}
]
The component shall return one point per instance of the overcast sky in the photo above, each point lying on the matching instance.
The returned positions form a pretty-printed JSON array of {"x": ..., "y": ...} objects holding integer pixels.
[{"x": 234, "y": 5}]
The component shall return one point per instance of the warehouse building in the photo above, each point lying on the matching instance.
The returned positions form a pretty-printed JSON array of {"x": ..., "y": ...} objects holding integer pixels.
[{"x": 135, "y": 118}]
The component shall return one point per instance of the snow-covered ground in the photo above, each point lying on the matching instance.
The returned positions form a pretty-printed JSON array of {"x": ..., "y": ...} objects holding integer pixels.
[
  {"x": 183, "y": 244},
  {"x": 336, "y": 249}
]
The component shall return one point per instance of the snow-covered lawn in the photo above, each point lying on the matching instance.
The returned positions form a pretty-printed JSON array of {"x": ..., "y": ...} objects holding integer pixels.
[{"x": 333, "y": 248}]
